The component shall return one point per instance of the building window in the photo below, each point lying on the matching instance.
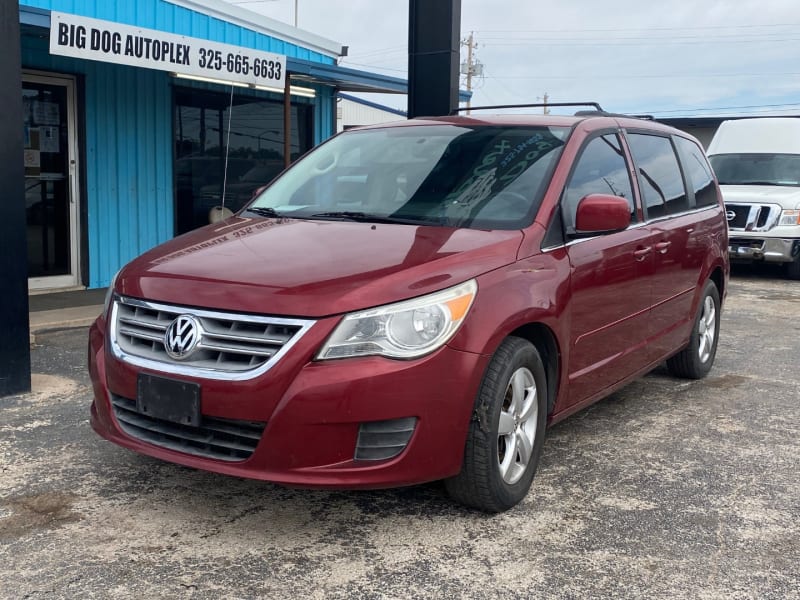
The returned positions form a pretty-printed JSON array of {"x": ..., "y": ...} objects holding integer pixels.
[{"x": 255, "y": 155}]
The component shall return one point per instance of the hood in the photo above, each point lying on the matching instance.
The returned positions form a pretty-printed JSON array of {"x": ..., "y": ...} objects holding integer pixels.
[
  {"x": 311, "y": 268},
  {"x": 785, "y": 196}
]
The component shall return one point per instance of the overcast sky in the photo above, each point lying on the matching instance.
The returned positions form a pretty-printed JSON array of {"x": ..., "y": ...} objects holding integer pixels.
[{"x": 667, "y": 58}]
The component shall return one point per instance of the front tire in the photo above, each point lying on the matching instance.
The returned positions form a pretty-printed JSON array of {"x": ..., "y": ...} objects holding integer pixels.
[
  {"x": 506, "y": 434},
  {"x": 793, "y": 268},
  {"x": 696, "y": 360}
]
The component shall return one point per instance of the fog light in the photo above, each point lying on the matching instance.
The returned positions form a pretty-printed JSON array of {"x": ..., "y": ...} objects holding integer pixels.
[{"x": 381, "y": 440}]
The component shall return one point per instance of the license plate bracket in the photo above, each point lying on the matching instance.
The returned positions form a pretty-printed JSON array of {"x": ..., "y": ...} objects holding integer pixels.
[{"x": 168, "y": 399}]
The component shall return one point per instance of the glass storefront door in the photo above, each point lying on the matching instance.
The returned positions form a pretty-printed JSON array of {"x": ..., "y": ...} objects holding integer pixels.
[{"x": 51, "y": 196}]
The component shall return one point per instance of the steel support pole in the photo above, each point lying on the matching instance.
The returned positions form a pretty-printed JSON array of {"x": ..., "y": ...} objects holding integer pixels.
[
  {"x": 434, "y": 41},
  {"x": 15, "y": 359},
  {"x": 287, "y": 121}
]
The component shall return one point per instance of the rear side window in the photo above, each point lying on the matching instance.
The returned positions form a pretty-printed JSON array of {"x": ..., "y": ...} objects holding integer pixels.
[
  {"x": 698, "y": 171},
  {"x": 659, "y": 175},
  {"x": 600, "y": 169}
]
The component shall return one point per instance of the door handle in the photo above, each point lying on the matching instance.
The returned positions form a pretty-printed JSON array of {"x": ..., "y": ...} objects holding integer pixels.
[
  {"x": 70, "y": 190},
  {"x": 662, "y": 247},
  {"x": 641, "y": 253}
]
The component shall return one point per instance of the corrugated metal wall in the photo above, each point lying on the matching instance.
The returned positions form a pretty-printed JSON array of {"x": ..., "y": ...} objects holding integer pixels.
[
  {"x": 128, "y": 126},
  {"x": 354, "y": 114},
  {"x": 128, "y": 155}
]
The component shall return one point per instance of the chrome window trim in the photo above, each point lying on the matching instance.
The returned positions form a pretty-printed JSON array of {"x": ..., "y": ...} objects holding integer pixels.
[
  {"x": 634, "y": 226},
  {"x": 201, "y": 372}
]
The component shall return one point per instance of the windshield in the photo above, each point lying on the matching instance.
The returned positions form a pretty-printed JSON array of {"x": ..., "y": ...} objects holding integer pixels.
[
  {"x": 757, "y": 169},
  {"x": 480, "y": 177}
]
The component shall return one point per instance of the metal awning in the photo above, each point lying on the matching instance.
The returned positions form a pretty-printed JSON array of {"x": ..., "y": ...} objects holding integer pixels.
[
  {"x": 343, "y": 78},
  {"x": 350, "y": 80}
]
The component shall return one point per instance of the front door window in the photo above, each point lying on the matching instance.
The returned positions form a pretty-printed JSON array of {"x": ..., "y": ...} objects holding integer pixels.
[{"x": 49, "y": 203}]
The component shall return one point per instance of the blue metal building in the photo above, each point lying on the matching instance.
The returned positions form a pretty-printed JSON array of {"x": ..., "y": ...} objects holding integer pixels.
[{"x": 125, "y": 144}]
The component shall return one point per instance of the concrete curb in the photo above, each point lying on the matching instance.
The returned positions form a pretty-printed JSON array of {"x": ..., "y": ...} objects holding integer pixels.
[{"x": 62, "y": 318}]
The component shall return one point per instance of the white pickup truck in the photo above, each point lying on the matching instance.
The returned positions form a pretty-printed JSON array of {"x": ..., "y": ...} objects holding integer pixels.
[{"x": 757, "y": 162}]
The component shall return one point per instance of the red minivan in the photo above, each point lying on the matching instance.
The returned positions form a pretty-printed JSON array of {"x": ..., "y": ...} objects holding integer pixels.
[{"x": 417, "y": 301}]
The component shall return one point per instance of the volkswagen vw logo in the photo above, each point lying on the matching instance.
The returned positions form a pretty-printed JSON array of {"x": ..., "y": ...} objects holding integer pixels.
[
  {"x": 730, "y": 215},
  {"x": 182, "y": 337}
]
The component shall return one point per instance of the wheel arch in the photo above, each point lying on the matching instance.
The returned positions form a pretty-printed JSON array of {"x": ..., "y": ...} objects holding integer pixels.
[
  {"x": 718, "y": 277},
  {"x": 546, "y": 343}
]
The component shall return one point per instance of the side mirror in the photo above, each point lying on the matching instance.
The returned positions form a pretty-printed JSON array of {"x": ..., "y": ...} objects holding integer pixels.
[{"x": 601, "y": 213}]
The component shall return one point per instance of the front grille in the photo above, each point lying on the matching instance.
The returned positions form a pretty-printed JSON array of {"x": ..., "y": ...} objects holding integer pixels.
[
  {"x": 222, "y": 439},
  {"x": 741, "y": 212},
  {"x": 752, "y": 217},
  {"x": 380, "y": 440},
  {"x": 229, "y": 346}
]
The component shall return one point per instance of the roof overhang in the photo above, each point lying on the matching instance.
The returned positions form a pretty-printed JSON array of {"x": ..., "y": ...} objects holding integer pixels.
[
  {"x": 343, "y": 78},
  {"x": 351, "y": 80},
  {"x": 261, "y": 24}
]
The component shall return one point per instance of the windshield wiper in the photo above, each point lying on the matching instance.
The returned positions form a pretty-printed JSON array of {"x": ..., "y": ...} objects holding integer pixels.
[
  {"x": 264, "y": 211},
  {"x": 362, "y": 217}
]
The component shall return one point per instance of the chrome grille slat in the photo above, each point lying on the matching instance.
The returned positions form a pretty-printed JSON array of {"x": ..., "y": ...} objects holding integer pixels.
[
  {"x": 146, "y": 324},
  {"x": 232, "y": 346},
  {"x": 236, "y": 349},
  {"x": 143, "y": 335},
  {"x": 753, "y": 217},
  {"x": 247, "y": 338}
]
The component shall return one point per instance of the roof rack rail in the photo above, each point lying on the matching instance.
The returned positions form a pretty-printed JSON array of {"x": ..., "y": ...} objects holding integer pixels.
[
  {"x": 602, "y": 113},
  {"x": 597, "y": 107}
]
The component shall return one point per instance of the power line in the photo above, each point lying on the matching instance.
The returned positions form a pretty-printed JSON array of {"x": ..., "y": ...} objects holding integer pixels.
[
  {"x": 644, "y": 76},
  {"x": 560, "y": 36},
  {"x": 628, "y": 43},
  {"x": 612, "y": 29},
  {"x": 352, "y": 64},
  {"x": 751, "y": 106},
  {"x": 390, "y": 50}
]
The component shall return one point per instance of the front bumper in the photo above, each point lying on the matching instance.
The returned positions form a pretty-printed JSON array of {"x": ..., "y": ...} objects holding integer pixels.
[
  {"x": 313, "y": 412},
  {"x": 777, "y": 250}
]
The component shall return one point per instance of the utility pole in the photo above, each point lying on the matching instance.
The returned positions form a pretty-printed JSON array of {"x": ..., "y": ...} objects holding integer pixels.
[
  {"x": 545, "y": 110},
  {"x": 472, "y": 67}
]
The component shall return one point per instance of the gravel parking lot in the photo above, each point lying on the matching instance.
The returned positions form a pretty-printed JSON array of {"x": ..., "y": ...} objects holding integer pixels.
[{"x": 667, "y": 489}]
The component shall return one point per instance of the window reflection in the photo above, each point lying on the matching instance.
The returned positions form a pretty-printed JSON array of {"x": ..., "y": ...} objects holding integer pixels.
[{"x": 255, "y": 154}]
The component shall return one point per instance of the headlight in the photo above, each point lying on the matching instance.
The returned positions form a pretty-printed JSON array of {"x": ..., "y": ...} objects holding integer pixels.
[
  {"x": 406, "y": 329},
  {"x": 790, "y": 217},
  {"x": 109, "y": 296}
]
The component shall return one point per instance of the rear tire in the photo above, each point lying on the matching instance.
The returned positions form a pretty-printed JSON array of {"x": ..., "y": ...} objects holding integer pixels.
[
  {"x": 697, "y": 358},
  {"x": 506, "y": 434}
]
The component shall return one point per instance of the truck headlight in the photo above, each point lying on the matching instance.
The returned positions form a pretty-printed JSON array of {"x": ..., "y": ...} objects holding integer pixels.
[
  {"x": 406, "y": 329},
  {"x": 790, "y": 217}
]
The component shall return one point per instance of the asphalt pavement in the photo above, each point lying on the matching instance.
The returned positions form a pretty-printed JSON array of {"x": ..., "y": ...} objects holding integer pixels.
[{"x": 667, "y": 489}]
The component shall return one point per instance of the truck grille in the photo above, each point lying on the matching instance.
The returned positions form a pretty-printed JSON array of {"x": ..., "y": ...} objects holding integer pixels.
[
  {"x": 222, "y": 439},
  {"x": 752, "y": 217},
  {"x": 226, "y": 345}
]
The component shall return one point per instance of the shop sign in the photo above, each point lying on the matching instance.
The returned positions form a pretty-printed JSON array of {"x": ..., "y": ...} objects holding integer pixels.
[{"x": 106, "y": 41}]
